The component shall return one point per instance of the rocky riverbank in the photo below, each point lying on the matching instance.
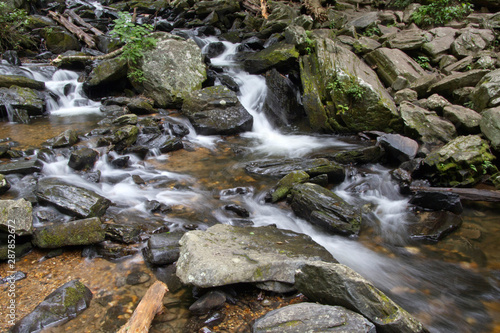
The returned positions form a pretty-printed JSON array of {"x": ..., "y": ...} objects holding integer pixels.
[{"x": 425, "y": 100}]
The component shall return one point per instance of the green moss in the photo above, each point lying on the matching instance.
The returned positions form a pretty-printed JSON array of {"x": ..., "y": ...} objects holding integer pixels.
[{"x": 74, "y": 295}]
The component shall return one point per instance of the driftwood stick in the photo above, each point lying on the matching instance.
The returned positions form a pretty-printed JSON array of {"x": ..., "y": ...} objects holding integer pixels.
[
  {"x": 81, "y": 22},
  {"x": 263, "y": 6},
  {"x": 149, "y": 306},
  {"x": 472, "y": 194},
  {"x": 81, "y": 58},
  {"x": 82, "y": 35}
]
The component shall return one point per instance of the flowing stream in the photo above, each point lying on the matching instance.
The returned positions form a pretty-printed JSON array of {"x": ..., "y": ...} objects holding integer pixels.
[{"x": 451, "y": 286}]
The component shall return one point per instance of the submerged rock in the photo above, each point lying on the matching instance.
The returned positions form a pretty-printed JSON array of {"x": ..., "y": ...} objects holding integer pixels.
[
  {"x": 63, "y": 304},
  {"x": 434, "y": 226},
  {"x": 71, "y": 199},
  {"x": 312, "y": 317},
  {"x": 79, "y": 232},
  {"x": 163, "y": 249},
  {"x": 16, "y": 215},
  {"x": 336, "y": 284},
  {"x": 437, "y": 201},
  {"x": 325, "y": 209},
  {"x": 225, "y": 254}
]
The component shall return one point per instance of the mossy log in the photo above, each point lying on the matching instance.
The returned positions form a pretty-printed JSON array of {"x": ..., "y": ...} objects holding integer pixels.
[{"x": 472, "y": 194}]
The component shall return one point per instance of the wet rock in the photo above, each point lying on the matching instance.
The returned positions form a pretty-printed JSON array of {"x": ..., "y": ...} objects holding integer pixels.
[
  {"x": 170, "y": 144},
  {"x": 125, "y": 136},
  {"x": 281, "y": 56},
  {"x": 126, "y": 119},
  {"x": 110, "y": 75},
  {"x": 214, "y": 49},
  {"x": 83, "y": 158},
  {"x": 359, "y": 156},
  {"x": 22, "y": 247},
  {"x": 177, "y": 129},
  {"x": 7, "y": 81},
  {"x": 465, "y": 120},
  {"x": 459, "y": 162},
  {"x": 490, "y": 126},
  {"x": 472, "y": 41},
  {"x": 355, "y": 98},
  {"x": 4, "y": 184},
  {"x": 216, "y": 111},
  {"x": 313, "y": 167},
  {"x": 236, "y": 191},
  {"x": 63, "y": 304},
  {"x": 157, "y": 207},
  {"x": 12, "y": 58},
  {"x": 398, "y": 147},
  {"x": 65, "y": 139},
  {"x": 163, "y": 249},
  {"x": 16, "y": 216},
  {"x": 59, "y": 40},
  {"x": 325, "y": 209},
  {"x": 312, "y": 317},
  {"x": 168, "y": 76},
  {"x": 120, "y": 162},
  {"x": 225, "y": 254},
  {"x": 127, "y": 234},
  {"x": 426, "y": 125},
  {"x": 437, "y": 201},
  {"x": 71, "y": 199},
  {"x": 486, "y": 94},
  {"x": 22, "y": 100},
  {"x": 238, "y": 210},
  {"x": 79, "y": 232},
  {"x": 457, "y": 80},
  {"x": 214, "y": 299},
  {"x": 24, "y": 167},
  {"x": 434, "y": 226},
  {"x": 138, "y": 277},
  {"x": 283, "y": 187},
  {"x": 336, "y": 284},
  {"x": 141, "y": 105}
]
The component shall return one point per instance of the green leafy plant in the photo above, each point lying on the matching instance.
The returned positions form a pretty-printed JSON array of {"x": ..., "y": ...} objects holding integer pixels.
[
  {"x": 137, "y": 39},
  {"x": 13, "y": 28},
  {"x": 372, "y": 31},
  {"x": 350, "y": 88},
  {"x": 310, "y": 45},
  {"x": 342, "y": 108},
  {"x": 440, "y": 12},
  {"x": 423, "y": 61}
]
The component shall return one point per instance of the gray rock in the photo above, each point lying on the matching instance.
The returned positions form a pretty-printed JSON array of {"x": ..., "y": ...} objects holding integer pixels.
[
  {"x": 63, "y": 304},
  {"x": 407, "y": 94},
  {"x": 65, "y": 139},
  {"x": 213, "y": 299},
  {"x": 4, "y": 184},
  {"x": 225, "y": 254},
  {"x": 141, "y": 105},
  {"x": 106, "y": 76},
  {"x": 422, "y": 84},
  {"x": 459, "y": 66},
  {"x": 336, "y": 284},
  {"x": 163, "y": 249},
  {"x": 433, "y": 226},
  {"x": 83, "y": 158},
  {"x": 295, "y": 35},
  {"x": 490, "y": 126},
  {"x": 216, "y": 111},
  {"x": 123, "y": 233},
  {"x": 312, "y": 317},
  {"x": 313, "y": 167},
  {"x": 359, "y": 156},
  {"x": 364, "y": 45},
  {"x": 325, "y": 209},
  {"x": 426, "y": 125},
  {"x": 465, "y": 120},
  {"x": 59, "y": 40},
  {"x": 16, "y": 216},
  {"x": 22, "y": 99},
  {"x": 486, "y": 94},
  {"x": 79, "y": 232},
  {"x": 221, "y": 7},
  {"x": 407, "y": 40},
  {"x": 126, "y": 119},
  {"x": 172, "y": 70},
  {"x": 437, "y": 201},
  {"x": 437, "y": 103},
  {"x": 394, "y": 63},
  {"x": 125, "y": 136},
  {"x": 24, "y": 167},
  {"x": 20, "y": 250},
  {"x": 6, "y": 81},
  {"x": 457, "y": 80},
  {"x": 399, "y": 147},
  {"x": 441, "y": 42},
  {"x": 472, "y": 41},
  {"x": 364, "y": 21},
  {"x": 71, "y": 199},
  {"x": 280, "y": 56}
]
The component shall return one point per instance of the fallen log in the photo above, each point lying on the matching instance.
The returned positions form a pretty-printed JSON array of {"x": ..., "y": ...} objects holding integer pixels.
[
  {"x": 81, "y": 22},
  {"x": 149, "y": 306},
  {"x": 472, "y": 194},
  {"x": 60, "y": 60},
  {"x": 75, "y": 30}
]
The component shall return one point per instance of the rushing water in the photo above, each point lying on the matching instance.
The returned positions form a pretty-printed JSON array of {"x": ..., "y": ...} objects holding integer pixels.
[{"x": 452, "y": 286}]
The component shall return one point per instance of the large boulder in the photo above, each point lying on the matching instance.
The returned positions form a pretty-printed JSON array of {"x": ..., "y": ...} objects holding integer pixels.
[
  {"x": 221, "y": 7},
  {"x": 465, "y": 120},
  {"x": 225, "y": 254},
  {"x": 16, "y": 216},
  {"x": 462, "y": 161},
  {"x": 125, "y": 136},
  {"x": 399, "y": 147},
  {"x": 18, "y": 98},
  {"x": 71, "y": 199},
  {"x": 63, "y": 304},
  {"x": 216, "y": 111},
  {"x": 487, "y": 91},
  {"x": 336, "y": 284},
  {"x": 450, "y": 83},
  {"x": 312, "y": 317},
  {"x": 173, "y": 69},
  {"x": 6, "y": 81},
  {"x": 490, "y": 126},
  {"x": 24, "y": 167},
  {"x": 325, "y": 209},
  {"x": 355, "y": 98},
  {"x": 407, "y": 40},
  {"x": 471, "y": 41},
  {"x": 108, "y": 75},
  {"x": 313, "y": 167},
  {"x": 426, "y": 126},
  {"x": 281, "y": 56},
  {"x": 79, "y": 232},
  {"x": 59, "y": 40},
  {"x": 441, "y": 42}
]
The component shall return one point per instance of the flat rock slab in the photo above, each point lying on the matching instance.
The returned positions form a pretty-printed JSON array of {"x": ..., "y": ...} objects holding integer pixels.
[
  {"x": 79, "y": 232},
  {"x": 312, "y": 317},
  {"x": 22, "y": 167},
  {"x": 16, "y": 215},
  {"x": 225, "y": 254}
]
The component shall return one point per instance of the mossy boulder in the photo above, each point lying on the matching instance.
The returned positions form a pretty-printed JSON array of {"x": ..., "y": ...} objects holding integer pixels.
[
  {"x": 22, "y": 99},
  {"x": 7, "y": 81},
  {"x": 490, "y": 126},
  {"x": 79, "y": 232},
  {"x": 65, "y": 139},
  {"x": 108, "y": 76},
  {"x": 286, "y": 183},
  {"x": 62, "y": 305},
  {"x": 281, "y": 56},
  {"x": 125, "y": 136},
  {"x": 59, "y": 40},
  {"x": 487, "y": 91},
  {"x": 325, "y": 209},
  {"x": 461, "y": 162}
]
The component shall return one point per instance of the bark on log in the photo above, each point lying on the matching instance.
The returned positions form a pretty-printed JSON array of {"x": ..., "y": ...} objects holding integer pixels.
[
  {"x": 150, "y": 305},
  {"x": 252, "y": 6},
  {"x": 78, "y": 32},
  {"x": 472, "y": 194},
  {"x": 81, "y": 22},
  {"x": 81, "y": 58}
]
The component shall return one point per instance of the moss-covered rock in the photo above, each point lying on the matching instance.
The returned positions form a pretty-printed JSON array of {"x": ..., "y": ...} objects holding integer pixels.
[
  {"x": 487, "y": 91},
  {"x": 65, "y": 139},
  {"x": 23, "y": 99},
  {"x": 490, "y": 126},
  {"x": 109, "y": 75},
  {"x": 281, "y": 56},
  {"x": 125, "y": 136},
  {"x": 286, "y": 183},
  {"x": 7, "y": 81},
  {"x": 79, "y": 232},
  {"x": 59, "y": 40}
]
